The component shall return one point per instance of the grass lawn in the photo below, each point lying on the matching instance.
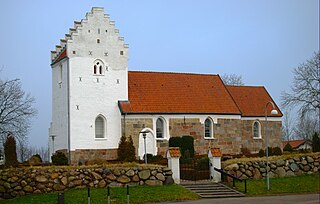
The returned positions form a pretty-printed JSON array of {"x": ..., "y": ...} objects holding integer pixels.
[
  {"x": 138, "y": 194},
  {"x": 296, "y": 184}
]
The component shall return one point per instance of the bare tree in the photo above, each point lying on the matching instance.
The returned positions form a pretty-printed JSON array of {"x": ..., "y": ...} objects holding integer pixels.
[
  {"x": 307, "y": 126},
  {"x": 287, "y": 127},
  {"x": 16, "y": 109},
  {"x": 305, "y": 91},
  {"x": 232, "y": 79},
  {"x": 42, "y": 151},
  {"x": 23, "y": 150}
]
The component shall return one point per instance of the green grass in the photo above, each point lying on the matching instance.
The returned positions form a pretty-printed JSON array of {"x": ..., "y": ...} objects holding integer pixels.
[
  {"x": 138, "y": 194},
  {"x": 296, "y": 184}
]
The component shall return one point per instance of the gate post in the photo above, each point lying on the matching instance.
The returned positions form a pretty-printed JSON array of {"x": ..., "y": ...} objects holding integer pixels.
[
  {"x": 173, "y": 156},
  {"x": 214, "y": 155}
]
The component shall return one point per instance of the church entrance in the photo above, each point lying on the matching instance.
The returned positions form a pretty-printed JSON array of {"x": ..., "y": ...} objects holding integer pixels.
[
  {"x": 149, "y": 141},
  {"x": 194, "y": 169}
]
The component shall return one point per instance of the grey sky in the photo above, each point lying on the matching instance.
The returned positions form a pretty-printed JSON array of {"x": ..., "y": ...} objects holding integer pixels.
[{"x": 261, "y": 40}]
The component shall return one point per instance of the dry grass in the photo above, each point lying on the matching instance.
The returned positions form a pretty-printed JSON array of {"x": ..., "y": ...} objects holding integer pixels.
[{"x": 105, "y": 165}]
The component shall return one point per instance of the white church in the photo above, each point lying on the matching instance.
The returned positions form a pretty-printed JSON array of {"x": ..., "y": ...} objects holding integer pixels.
[{"x": 96, "y": 100}]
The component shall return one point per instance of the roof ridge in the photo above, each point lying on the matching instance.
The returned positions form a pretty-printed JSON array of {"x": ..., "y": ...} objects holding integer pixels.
[
  {"x": 251, "y": 86},
  {"x": 167, "y": 72}
]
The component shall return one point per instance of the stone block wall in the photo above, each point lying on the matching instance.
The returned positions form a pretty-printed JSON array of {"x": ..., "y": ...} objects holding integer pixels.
[
  {"x": 20, "y": 182},
  {"x": 133, "y": 127},
  {"x": 81, "y": 156},
  {"x": 274, "y": 135},
  {"x": 295, "y": 166},
  {"x": 230, "y": 135}
]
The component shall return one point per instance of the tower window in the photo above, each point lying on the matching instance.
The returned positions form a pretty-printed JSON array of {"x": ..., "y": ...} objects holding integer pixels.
[
  {"x": 98, "y": 40},
  {"x": 121, "y": 52},
  {"x": 100, "y": 127},
  {"x": 98, "y": 67}
]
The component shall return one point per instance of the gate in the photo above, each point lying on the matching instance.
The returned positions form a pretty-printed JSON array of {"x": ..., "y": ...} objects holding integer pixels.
[{"x": 194, "y": 169}]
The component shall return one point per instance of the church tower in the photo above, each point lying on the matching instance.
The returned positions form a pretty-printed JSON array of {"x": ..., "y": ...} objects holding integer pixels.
[{"x": 89, "y": 77}]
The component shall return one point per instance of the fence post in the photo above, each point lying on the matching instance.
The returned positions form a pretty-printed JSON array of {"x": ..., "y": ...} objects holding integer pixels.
[
  {"x": 128, "y": 198},
  {"x": 214, "y": 155},
  {"x": 173, "y": 156},
  {"x": 108, "y": 194},
  {"x": 88, "y": 195},
  {"x": 61, "y": 198}
]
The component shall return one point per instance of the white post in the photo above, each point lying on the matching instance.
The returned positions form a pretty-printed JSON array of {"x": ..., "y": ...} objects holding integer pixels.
[
  {"x": 214, "y": 155},
  {"x": 173, "y": 156}
]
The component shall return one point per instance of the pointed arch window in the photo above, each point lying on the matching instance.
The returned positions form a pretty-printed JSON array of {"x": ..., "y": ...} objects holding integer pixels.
[
  {"x": 160, "y": 128},
  {"x": 98, "y": 67},
  {"x": 100, "y": 127},
  {"x": 256, "y": 130},
  {"x": 208, "y": 128}
]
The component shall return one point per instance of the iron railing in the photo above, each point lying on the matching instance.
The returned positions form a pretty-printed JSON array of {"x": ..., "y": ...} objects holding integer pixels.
[{"x": 233, "y": 178}]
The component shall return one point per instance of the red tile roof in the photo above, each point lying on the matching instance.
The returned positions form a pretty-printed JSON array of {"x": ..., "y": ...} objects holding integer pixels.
[
  {"x": 174, "y": 152},
  {"x": 294, "y": 143},
  {"x": 215, "y": 152},
  {"x": 252, "y": 100},
  {"x": 62, "y": 55},
  {"x": 162, "y": 92}
]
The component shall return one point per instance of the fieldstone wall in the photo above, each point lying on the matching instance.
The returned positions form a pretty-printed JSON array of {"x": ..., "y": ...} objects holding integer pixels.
[
  {"x": 23, "y": 181},
  {"x": 295, "y": 166}
]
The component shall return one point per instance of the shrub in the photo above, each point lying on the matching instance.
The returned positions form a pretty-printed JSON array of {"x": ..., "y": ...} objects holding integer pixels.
[
  {"x": 203, "y": 163},
  {"x": 261, "y": 153},
  {"x": 245, "y": 151},
  {"x": 122, "y": 153},
  {"x": 131, "y": 150},
  {"x": 59, "y": 158},
  {"x": 288, "y": 148},
  {"x": 35, "y": 160},
  {"x": 276, "y": 151},
  {"x": 175, "y": 142},
  {"x": 187, "y": 143},
  {"x": 10, "y": 153},
  {"x": 154, "y": 158},
  {"x": 126, "y": 150}
]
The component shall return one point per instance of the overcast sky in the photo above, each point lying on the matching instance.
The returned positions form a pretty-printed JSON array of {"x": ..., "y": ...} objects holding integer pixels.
[{"x": 261, "y": 40}]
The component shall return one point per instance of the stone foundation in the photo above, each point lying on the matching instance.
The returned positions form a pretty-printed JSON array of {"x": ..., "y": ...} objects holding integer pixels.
[{"x": 82, "y": 156}]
